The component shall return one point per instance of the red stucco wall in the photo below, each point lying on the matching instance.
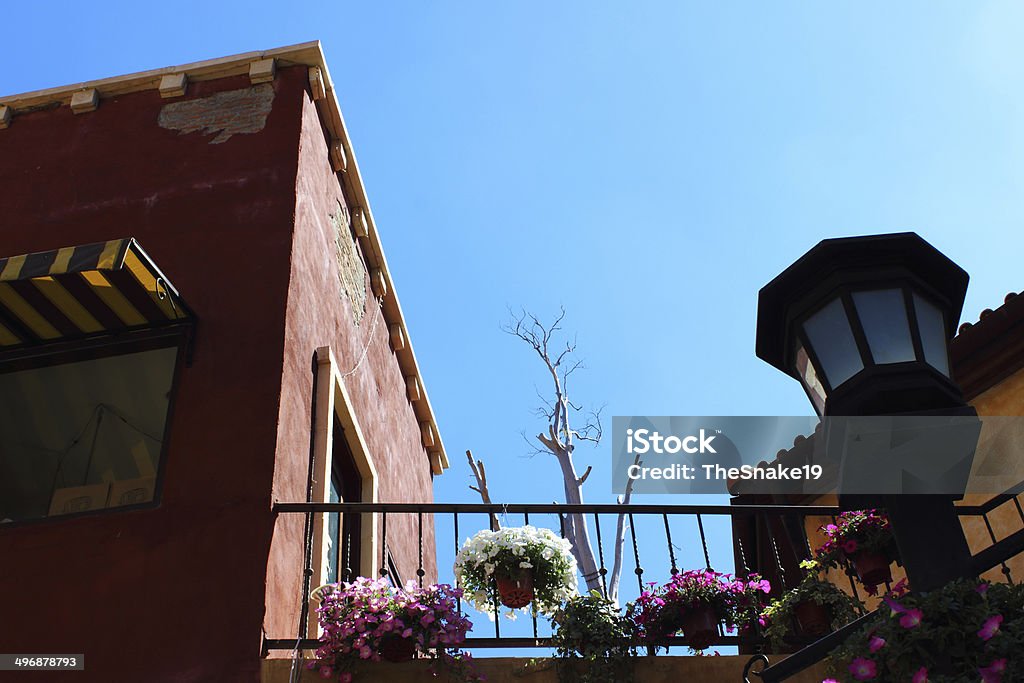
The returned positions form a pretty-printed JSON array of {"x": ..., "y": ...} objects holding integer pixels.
[
  {"x": 318, "y": 315},
  {"x": 177, "y": 593}
]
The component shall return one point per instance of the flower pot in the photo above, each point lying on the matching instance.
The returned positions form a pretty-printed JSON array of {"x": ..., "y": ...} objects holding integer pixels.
[
  {"x": 700, "y": 626},
  {"x": 812, "y": 618},
  {"x": 872, "y": 568},
  {"x": 516, "y": 592},
  {"x": 395, "y": 648}
]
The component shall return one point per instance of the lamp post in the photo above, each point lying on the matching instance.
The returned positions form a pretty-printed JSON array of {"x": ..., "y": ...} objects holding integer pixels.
[{"x": 864, "y": 323}]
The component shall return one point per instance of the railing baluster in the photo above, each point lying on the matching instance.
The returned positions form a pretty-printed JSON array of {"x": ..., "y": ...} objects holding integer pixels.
[
  {"x": 384, "y": 544},
  {"x": 638, "y": 570},
  {"x": 743, "y": 557},
  {"x": 455, "y": 521},
  {"x": 807, "y": 539},
  {"x": 348, "y": 554},
  {"x": 671, "y": 550},
  {"x": 703, "y": 542},
  {"x": 533, "y": 615},
  {"x": 775, "y": 552},
  {"x": 420, "y": 573},
  {"x": 497, "y": 612},
  {"x": 600, "y": 555}
]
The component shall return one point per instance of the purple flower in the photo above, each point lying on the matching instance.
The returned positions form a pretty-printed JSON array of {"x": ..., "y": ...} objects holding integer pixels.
[
  {"x": 920, "y": 676},
  {"x": 911, "y": 618},
  {"x": 896, "y": 607},
  {"x": 875, "y": 644},
  {"x": 850, "y": 547},
  {"x": 863, "y": 669},
  {"x": 993, "y": 673},
  {"x": 990, "y": 627}
]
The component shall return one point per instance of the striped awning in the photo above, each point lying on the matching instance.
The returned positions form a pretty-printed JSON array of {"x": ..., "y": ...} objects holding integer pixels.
[{"x": 84, "y": 291}]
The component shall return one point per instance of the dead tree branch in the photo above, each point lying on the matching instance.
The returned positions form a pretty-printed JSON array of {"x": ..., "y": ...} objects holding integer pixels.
[{"x": 480, "y": 474}]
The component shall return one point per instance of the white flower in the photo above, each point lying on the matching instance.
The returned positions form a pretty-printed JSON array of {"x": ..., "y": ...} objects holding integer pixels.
[{"x": 528, "y": 547}]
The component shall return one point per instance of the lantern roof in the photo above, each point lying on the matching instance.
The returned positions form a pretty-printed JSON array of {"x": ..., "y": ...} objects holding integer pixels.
[{"x": 852, "y": 261}]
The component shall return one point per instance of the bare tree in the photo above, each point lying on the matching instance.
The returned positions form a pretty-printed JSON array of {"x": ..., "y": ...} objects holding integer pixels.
[
  {"x": 565, "y": 428},
  {"x": 480, "y": 474}
]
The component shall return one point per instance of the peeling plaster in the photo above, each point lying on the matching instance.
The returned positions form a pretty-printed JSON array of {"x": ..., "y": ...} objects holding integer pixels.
[{"x": 225, "y": 113}]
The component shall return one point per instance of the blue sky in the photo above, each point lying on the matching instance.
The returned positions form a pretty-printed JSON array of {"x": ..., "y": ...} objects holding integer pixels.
[{"x": 648, "y": 166}]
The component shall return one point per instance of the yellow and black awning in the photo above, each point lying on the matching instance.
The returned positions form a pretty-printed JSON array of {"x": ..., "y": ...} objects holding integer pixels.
[{"x": 84, "y": 291}]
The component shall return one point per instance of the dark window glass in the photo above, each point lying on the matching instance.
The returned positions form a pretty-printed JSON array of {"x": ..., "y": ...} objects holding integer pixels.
[
  {"x": 83, "y": 435},
  {"x": 345, "y": 530},
  {"x": 832, "y": 340},
  {"x": 883, "y": 315},
  {"x": 933, "y": 334}
]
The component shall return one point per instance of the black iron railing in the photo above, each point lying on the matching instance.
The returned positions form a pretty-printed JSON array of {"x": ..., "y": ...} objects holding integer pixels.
[{"x": 655, "y": 539}]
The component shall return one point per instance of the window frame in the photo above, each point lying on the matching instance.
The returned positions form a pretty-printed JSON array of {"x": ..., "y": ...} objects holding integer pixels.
[{"x": 332, "y": 401}]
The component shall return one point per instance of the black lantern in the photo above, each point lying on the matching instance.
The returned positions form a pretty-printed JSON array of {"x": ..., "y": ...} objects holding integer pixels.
[{"x": 864, "y": 324}]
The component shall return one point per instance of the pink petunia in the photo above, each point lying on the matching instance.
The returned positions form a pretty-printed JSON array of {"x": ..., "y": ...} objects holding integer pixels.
[
  {"x": 911, "y": 618},
  {"x": 863, "y": 669},
  {"x": 990, "y": 627},
  {"x": 345, "y": 677},
  {"x": 920, "y": 676},
  {"x": 896, "y": 607},
  {"x": 899, "y": 588},
  {"x": 982, "y": 588},
  {"x": 850, "y": 547},
  {"x": 993, "y": 673},
  {"x": 876, "y": 644}
]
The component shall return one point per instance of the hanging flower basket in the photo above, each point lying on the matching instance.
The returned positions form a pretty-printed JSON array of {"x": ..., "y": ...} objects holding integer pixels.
[
  {"x": 395, "y": 648},
  {"x": 812, "y": 618},
  {"x": 807, "y": 611},
  {"x": 863, "y": 539},
  {"x": 872, "y": 567},
  {"x": 700, "y": 626},
  {"x": 529, "y": 565},
  {"x": 515, "y": 592},
  {"x": 369, "y": 620},
  {"x": 696, "y": 603}
]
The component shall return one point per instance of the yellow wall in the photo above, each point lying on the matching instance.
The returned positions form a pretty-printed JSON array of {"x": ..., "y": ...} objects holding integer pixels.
[{"x": 1005, "y": 398}]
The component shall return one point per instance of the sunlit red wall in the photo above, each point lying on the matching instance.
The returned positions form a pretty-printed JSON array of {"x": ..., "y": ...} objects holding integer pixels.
[{"x": 178, "y": 592}]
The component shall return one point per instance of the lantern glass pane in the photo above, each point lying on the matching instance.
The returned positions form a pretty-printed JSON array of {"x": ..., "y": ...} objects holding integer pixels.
[
  {"x": 933, "y": 334},
  {"x": 883, "y": 315},
  {"x": 830, "y": 336},
  {"x": 809, "y": 378}
]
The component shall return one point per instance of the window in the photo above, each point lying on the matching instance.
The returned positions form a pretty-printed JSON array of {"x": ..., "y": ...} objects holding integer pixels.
[
  {"x": 86, "y": 431},
  {"x": 344, "y": 545},
  {"x": 343, "y": 541}
]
